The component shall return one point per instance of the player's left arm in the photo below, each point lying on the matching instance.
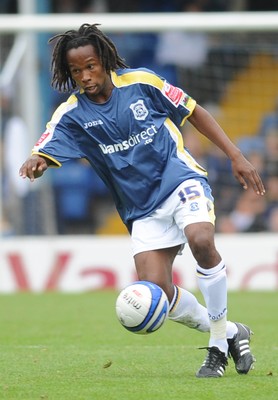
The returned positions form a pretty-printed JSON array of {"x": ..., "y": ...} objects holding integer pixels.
[{"x": 243, "y": 170}]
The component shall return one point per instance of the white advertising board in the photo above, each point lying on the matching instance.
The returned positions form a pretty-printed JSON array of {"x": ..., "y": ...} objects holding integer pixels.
[{"x": 86, "y": 263}]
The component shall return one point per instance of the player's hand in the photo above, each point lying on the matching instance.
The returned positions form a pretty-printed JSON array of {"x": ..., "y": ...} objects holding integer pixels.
[
  {"x": 246, "y": 173},
  {"x": 33, "y": 167}
]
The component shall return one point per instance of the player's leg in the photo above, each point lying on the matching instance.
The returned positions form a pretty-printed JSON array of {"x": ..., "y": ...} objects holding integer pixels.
[
  {"x": 156, "y": 266},
  {"x": 160, "y": 230},
  {"x": 212, "y": 280},
  {"x": 186, "y": 310},
  {"x": 229, "y": 338},
  {"x": 195, "y": 216}
]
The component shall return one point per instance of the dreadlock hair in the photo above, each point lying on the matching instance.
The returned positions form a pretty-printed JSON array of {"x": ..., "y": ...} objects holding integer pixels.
[{"x": 86, "y": 35}]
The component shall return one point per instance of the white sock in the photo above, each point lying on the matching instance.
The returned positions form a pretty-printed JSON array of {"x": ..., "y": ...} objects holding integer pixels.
[
  {"x": 218, "y": 334},
  {"x": 186, "y": 310},
  {"x": 213, "y": 285},
  {"x": 232, "y": 329}
]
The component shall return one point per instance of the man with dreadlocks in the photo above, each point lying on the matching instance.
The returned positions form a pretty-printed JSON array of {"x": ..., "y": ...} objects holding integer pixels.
[{"x": 125, "y": 122}]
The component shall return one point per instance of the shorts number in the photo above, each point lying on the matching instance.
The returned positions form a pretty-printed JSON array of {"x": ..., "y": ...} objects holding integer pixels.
[{"x": 189, "y": 193}]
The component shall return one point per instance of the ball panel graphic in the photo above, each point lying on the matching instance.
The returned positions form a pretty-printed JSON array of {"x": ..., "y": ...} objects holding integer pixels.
[{"x": 142, "y": 307}]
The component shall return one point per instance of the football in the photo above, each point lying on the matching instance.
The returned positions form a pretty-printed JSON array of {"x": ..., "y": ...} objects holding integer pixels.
[{"x": 142, "y": 307}]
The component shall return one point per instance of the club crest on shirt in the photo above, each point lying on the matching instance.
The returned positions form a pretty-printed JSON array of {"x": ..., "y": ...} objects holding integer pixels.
[{"x": 139, "y": 109}]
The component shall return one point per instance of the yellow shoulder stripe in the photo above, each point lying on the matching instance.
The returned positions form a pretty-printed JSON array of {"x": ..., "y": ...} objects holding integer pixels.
[
  {"x": 133, "y": 77},
  {"x": 63, "y": 108}
]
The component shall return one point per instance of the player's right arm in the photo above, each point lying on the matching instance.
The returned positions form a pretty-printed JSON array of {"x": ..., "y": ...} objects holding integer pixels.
[{"x": 34, "y": 167}]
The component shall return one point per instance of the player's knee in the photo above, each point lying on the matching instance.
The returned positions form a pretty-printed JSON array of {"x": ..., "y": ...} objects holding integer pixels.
[{"x": 203, "y": 248}]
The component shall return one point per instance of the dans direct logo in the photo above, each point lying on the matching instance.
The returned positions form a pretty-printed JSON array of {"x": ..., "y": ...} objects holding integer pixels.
[{"x": 133, "y": 140}]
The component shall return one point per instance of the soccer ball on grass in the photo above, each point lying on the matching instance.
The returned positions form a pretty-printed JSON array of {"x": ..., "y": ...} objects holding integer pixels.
[{"x": 142, "y": 307}]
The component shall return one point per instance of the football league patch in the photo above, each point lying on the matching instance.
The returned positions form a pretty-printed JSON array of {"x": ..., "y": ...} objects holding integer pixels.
[
  {"x": 43, "y": 137},
  {"x": 173, "y": 93}
]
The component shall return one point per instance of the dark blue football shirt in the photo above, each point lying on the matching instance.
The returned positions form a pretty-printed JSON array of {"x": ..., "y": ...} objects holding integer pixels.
[{"x": 133, "y": 140}]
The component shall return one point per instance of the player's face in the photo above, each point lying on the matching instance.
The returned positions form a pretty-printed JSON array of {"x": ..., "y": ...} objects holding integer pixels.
[{"x": 87, "y": 71}]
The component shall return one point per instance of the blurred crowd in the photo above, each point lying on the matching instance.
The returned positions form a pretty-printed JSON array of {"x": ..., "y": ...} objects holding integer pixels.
[{"x": 73, "y": 200}]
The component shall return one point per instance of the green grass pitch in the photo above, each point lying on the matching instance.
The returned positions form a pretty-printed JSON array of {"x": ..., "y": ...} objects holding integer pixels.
[{"x": 71, "y": 347}]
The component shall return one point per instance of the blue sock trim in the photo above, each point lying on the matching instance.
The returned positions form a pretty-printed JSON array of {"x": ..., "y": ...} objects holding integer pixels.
[
  {"x": 203, "y": 272},
  {"x": 175, "y": 299}
]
